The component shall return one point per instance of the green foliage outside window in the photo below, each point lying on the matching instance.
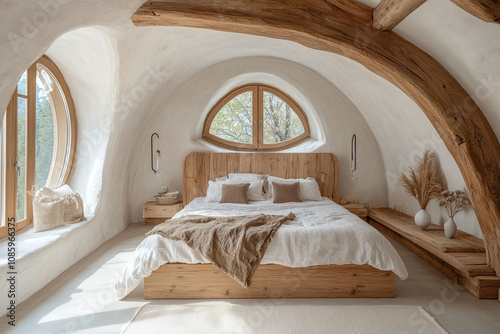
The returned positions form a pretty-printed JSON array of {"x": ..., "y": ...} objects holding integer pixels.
[
  {"x": 234, "y": 121},
  {"x": 44, "y": 146}
]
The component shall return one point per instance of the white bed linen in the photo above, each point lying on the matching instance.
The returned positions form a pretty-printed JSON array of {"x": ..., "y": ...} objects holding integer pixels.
[{"x": 323, "y": 233}]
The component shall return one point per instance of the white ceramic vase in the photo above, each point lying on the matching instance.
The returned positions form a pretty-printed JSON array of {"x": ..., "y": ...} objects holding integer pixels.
[
  {"x": 422, "y": 219},
  {"x": 450, "y": 228}
]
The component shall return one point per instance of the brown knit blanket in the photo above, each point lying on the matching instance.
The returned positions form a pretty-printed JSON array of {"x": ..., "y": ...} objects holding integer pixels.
[{"x": 235, "y": 245}]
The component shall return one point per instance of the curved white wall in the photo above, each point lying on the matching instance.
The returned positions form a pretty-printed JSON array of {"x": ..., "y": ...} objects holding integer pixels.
[{"x": 88, "y": 60}]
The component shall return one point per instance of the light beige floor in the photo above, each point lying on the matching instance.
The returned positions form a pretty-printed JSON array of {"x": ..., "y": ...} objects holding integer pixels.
[{"x": 82, "y": 299}]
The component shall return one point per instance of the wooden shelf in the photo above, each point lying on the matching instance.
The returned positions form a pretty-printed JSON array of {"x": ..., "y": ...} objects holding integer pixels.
[
  {"x": 462, "y": 259},
  {"x": 357, "y": 209}
]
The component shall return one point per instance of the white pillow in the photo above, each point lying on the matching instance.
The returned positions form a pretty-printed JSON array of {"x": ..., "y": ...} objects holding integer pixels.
[
  {"x": 250, "y": 177},
  {"x": 255, "y": 192},
  {"x": 246, "y": 177},
  {"x": 214, "y": 191},
  {"x": 309, "y": 188},
  {"x": 62, "y": 190}
]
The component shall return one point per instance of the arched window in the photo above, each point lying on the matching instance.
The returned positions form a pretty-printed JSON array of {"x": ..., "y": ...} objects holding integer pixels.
[
  {"x": 256, "y": 117},
  {"x": 38, "y": 138}
]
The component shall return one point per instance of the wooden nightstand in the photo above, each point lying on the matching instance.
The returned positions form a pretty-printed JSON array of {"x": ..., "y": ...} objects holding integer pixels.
[
  {"x": 357, "y": 209},
  {"x": 155, "y": 214}
]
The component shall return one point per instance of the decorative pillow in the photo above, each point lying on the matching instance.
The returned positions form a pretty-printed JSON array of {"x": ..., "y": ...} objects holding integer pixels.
[
  {"x": 309, "y": 188},
  {"x": 214, "y": 191},
  {"x": 45, "y": 200},
  {"x": 286, "y": 192},
  {"x": 235, "y": 193},
  {"x": 48, "y": 213}
]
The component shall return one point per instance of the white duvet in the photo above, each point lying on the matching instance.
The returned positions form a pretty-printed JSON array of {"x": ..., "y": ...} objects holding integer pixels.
[{"x": 323, "y": 233}]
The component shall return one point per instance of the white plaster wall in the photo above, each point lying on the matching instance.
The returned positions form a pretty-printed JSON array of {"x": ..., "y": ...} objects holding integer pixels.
[{"x": 180, "y": 115}]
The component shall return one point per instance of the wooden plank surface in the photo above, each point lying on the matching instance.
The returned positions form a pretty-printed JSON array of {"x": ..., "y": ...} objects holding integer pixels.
[
  {"x": 204, "y": 281},
  {"x": 432, "y": 237},
  {"x": 469, "y": 269},
  {"x": 199, "y": 168},
  {"x": 357, "y": 209}
]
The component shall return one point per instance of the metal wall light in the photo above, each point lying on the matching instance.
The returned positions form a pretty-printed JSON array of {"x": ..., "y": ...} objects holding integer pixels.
[
  {"x": 155, "y": 155},
  {"x": 354, "y": 162}
]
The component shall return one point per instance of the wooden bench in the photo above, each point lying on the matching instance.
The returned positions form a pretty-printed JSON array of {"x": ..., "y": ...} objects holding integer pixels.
[{"x": 462, "y": 259}]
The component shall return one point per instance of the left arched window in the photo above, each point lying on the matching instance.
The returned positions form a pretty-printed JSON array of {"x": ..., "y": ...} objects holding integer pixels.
[{"x": 38, "y": 138}]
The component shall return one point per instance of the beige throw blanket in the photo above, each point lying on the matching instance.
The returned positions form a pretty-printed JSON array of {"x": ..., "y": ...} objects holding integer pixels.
[{"x": 235, "y": 245}]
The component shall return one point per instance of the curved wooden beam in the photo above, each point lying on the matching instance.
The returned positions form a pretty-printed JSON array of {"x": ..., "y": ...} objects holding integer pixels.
[
  {"x": 345, "y": 27},
  {"x": 486, "y": 10},
  {"x": 390, "y": 13}
]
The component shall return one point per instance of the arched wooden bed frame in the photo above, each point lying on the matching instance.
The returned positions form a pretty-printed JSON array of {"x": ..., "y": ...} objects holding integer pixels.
[{"x": 204, "y": 281}]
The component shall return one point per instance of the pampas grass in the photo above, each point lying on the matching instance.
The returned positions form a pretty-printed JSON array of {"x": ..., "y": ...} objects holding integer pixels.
[{"x": 421, "y": 182}]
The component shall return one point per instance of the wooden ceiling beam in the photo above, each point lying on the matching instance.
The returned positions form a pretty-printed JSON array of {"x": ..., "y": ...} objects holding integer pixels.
[
  {"x": 389, "y": 13},
  {"x": 325, "y": 26},
  {"x": 486, "y": 10}
]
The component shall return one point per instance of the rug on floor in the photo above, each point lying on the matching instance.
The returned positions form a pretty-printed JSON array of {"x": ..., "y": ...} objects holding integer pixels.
[{"x": 231, "y": 318}]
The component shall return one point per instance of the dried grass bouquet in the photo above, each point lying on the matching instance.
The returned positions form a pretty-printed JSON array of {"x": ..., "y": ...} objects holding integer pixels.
[
  {"x": 453, "y": 202},
  {"x": 421, "y": 182}
]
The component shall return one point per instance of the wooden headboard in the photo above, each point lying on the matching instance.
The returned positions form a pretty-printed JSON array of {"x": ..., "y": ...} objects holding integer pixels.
[{"x": 199, "y": 168}]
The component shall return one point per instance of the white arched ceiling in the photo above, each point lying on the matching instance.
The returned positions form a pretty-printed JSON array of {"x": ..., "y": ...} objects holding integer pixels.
[{"x": 465, "y": 45}]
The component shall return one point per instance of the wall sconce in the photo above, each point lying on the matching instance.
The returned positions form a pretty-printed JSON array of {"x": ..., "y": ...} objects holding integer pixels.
[
  {"x": 354, "y": 162},
  {"x": 155, "y": 155}
]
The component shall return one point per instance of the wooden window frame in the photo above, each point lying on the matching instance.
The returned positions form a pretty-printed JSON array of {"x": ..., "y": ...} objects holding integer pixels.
[
  {"x": 65, "y": 132},
  {"x": 257, "y": 120}
]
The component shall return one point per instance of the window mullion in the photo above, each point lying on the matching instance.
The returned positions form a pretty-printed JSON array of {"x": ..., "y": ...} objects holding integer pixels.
[
  {"x": 30, "y": 138},
  {"x": 258, "y": 117}
]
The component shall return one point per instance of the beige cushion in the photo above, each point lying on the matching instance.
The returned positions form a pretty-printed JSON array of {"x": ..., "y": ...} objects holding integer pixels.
[
  {"x": 56, "y": 207},
  {"x": 73, "y": 208},
  {"x": 48, "y": 213},
  {"x": 235, "y": 193},
  {"x": 286, "y": 192}
]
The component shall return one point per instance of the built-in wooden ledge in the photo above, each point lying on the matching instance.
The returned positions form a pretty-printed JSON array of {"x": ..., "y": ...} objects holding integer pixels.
[{"x": 462, "y": 259}]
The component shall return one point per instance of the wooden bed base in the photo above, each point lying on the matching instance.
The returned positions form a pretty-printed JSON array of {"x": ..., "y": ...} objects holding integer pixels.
[{"x": 204, "y": 281}]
